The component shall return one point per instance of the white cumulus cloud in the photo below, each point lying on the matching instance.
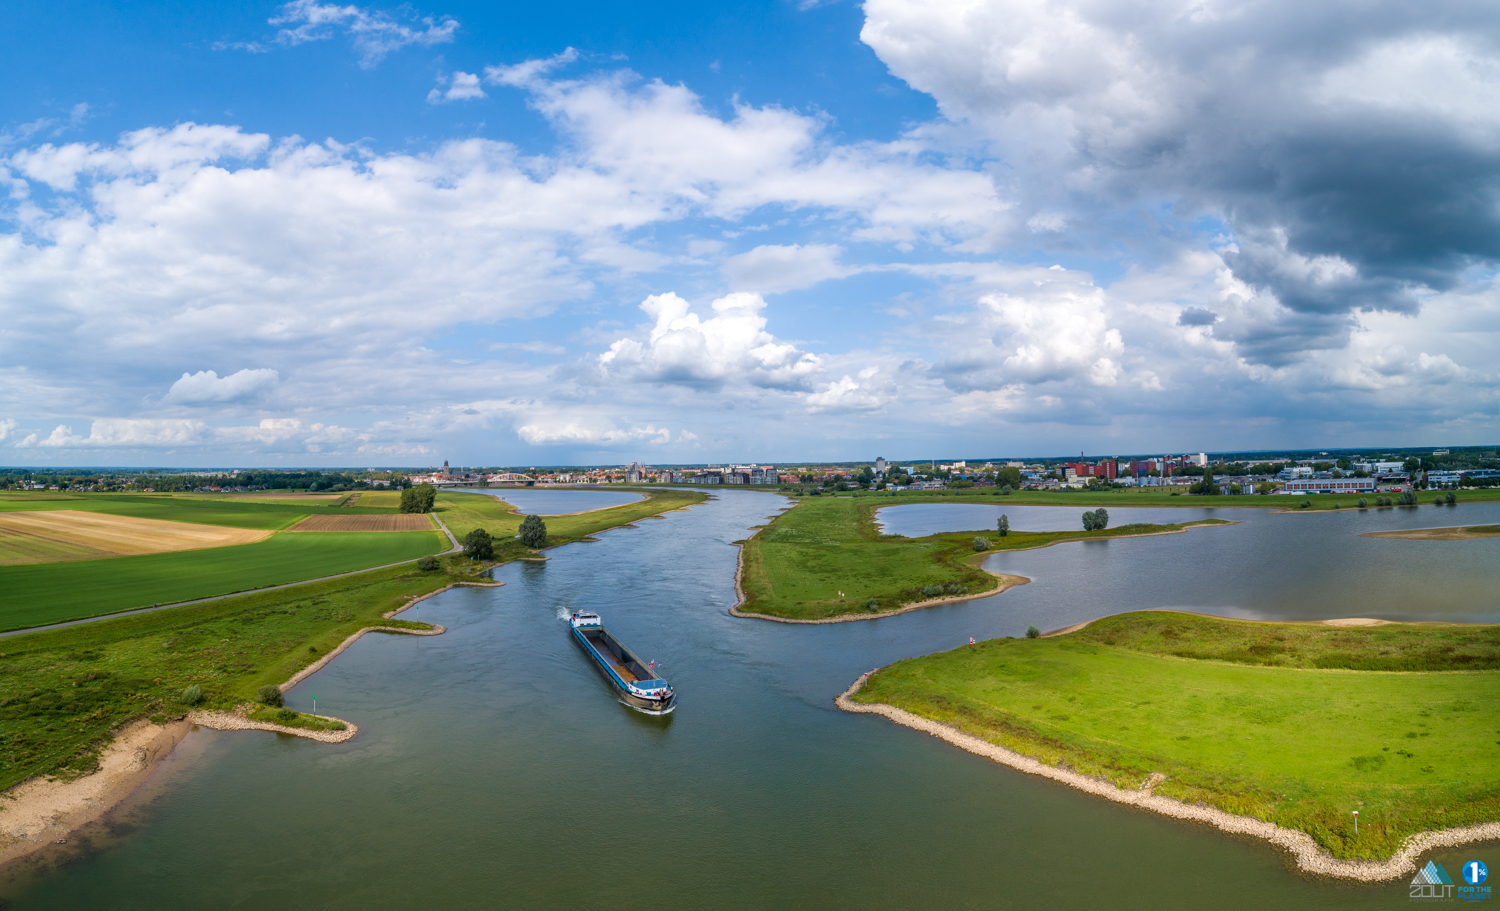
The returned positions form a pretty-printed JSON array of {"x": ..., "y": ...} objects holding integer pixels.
[
  {"x": 207, "y": 387},
  {"x": 731, "y": 346}
]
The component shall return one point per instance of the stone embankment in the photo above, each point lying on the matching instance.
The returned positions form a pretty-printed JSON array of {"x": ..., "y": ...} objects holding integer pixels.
[
  {"x": 1308, "y": 854},
  {"x": 237, "y": 721}
]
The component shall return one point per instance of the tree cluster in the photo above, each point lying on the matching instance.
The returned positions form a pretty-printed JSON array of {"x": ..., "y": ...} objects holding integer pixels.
[
  {"x": 1098, "y": 520},
  {"x": 419, "y": 498}
]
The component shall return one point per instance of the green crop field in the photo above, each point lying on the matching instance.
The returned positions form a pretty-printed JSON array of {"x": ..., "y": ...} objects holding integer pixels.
[
  {"x": 38, "y": 594},
  {"x": 1298, "y": 724},
  {"x": 464, "y": 512},
  {"x": 796, "y": 566},
  {"x": 64, "y": 692},
  {"x": 243, "y": 513},
  {"x": 380, "y": 499}
]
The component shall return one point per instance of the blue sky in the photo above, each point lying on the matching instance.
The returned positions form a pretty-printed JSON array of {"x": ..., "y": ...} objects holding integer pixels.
[{"x": 309, "y": 233}]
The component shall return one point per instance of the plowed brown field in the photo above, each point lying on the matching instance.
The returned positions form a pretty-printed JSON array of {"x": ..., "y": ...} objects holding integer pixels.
[
  {"x": 403, "y": 522},
  {"x": 64, "y": 534}
]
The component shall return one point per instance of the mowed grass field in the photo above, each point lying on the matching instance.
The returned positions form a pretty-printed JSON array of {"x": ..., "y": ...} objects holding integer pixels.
[
  {"x": 796, "y": 566},
  {"x": 1170, "y": 497},
  {"x": 35, "y": 595},
  {"x": 1292, "y": 723}
]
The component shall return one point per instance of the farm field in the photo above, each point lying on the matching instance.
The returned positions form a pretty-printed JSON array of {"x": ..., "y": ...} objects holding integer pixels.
[
  {"x": 36, "y": 595},
  {"x": 398, "y": 522},
  {"x": 796, "y": 566},
  {"x": 1293, "y": 723},
  {"x": 380, "y": 499},
  {"x": 59, "y": 535},
  {"x": 243, "y": 513}
]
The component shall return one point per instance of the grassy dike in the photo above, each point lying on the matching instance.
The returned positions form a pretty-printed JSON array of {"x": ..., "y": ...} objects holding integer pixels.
[
  {"x": 1296, "y": 724},
  {"x": 795, "y": 567}
]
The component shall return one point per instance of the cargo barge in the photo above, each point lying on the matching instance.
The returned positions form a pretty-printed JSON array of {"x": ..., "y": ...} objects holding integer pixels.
[{"x": 639, "y": 685}]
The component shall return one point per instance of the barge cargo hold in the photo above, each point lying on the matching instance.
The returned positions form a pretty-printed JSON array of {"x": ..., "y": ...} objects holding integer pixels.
[{"x": 639, "y": 685}]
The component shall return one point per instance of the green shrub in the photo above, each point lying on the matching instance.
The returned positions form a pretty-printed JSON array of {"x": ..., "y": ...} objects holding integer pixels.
[
  {"x": 1363, "y": 503},
  {"x": 872, "y": 605},
  {"x": 1098, "y": 520},
  {"x": 285, "y": 714},
  {"x": 932, "y": 591},
  {"x": 1003, "y": 526},
  {"x": 1409, "y": 498},
  {"x": 1450, "y": 498},
  {"x": 1033, "y": 633},
  {"x": 336, "y": 726},
  {"x": 270, "y": 694},
  {"x": 192, "y": 695},
  {"x": 981, "y": 545},
  {"x": 429, "y": 564},
  {"x": 1305, "y": 504}
]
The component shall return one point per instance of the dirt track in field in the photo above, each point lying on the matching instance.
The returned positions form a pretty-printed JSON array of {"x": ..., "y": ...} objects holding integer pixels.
[
  {"x": 403, "y": 522},
  {"x": 66, "y": 534}
]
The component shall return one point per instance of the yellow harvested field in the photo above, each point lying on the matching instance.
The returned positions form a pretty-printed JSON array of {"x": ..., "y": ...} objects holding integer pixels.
[
  {"x": 64, "y": 534},
  {"x": 403, "y": 522}
]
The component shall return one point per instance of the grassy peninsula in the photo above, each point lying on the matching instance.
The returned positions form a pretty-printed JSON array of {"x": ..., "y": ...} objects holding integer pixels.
[
  {"x": 795, "y": 567},
  {"x": 463, "y": 512},
  {"x": 1298, "y": 724}
]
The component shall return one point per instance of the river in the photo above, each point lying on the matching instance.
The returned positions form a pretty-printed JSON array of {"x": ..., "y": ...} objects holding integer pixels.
[{"x": 494, "y": 767}]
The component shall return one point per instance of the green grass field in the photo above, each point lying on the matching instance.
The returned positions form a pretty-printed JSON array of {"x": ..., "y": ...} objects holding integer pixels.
[
  {"x": 38, "y": 594},
  {"x": 242, "y": 513},
  {"x": 380, "y": 499},
  {"x": 796, "y": 566},
  {"x": 64, "y": 692},
  {"x": 1278, "y": 721},
  {"x": 464, "y": 512}
]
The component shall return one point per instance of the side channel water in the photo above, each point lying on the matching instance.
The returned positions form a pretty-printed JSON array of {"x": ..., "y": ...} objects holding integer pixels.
[{"x": 494, "y": 769}]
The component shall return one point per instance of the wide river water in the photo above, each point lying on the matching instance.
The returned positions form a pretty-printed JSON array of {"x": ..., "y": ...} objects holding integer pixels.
[
  {"x": 494, "y": 768},
  {"x": 530, "y": 500}
]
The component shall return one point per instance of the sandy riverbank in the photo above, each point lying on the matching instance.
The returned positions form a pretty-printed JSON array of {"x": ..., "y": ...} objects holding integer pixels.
[
  {"x": 1307, "y": 853},
  {"x": 43, "y": 811},
  {"x": 40, "y": 811}
]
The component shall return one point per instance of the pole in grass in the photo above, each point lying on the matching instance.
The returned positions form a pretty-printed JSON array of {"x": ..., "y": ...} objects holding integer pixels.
[
  {"x": 315, "y": 711},
  {"x": 1356, "y": 823}
]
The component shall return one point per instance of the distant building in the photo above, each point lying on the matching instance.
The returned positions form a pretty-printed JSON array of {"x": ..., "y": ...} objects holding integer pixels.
[
  {"x": 1330, "y": 485},
  {"x": 880, "y": 464}
]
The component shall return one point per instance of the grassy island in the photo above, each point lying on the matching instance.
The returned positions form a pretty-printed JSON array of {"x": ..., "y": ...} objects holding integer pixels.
[
  {"x": 796, "y": 566},
  {"x": 1297, "y": 724}
]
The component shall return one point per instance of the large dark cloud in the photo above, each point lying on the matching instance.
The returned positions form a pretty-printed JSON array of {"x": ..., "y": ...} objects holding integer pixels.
[{"x": 1353, "y": 148}]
